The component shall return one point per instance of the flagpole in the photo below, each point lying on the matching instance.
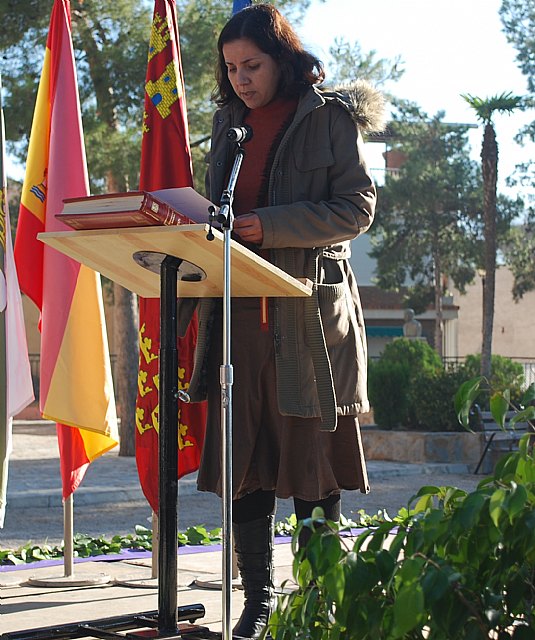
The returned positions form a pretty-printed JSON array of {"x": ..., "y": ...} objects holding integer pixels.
[
  {"x": 68, "y": 578},
  {"x": 68, "y": 536}
]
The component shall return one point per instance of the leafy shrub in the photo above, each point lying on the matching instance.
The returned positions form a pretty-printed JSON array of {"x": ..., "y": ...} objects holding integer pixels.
[
  {"x": 392, "y": 379},
  {"x": 457, "y": 566},
  {"x": 86, "y": 546},
  {"x": 388, "y": 390},
  {"x": 418, "y": 355},
  {"x": 504, "y": 374},
  {"x": 431, "y": 396}
]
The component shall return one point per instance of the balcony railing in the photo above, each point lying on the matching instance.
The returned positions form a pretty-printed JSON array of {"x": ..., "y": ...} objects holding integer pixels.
[{"x": 452, "y": 363}]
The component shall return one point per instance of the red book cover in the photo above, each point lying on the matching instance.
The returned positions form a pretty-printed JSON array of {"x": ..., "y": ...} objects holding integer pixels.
[{"x": 135, "y": 209}]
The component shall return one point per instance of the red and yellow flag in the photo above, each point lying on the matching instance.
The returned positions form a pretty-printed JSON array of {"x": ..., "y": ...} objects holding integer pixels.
[
  {"x": 76, "y": 388},
  {"x": 165, "y": 163}
]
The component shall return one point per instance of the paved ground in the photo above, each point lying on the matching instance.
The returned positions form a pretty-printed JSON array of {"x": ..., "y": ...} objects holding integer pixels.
[{"x": 110, "y": 501}]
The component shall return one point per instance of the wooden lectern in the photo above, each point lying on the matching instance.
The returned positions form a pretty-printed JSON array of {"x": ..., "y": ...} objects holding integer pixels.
[{"x": 150, "y": 261}]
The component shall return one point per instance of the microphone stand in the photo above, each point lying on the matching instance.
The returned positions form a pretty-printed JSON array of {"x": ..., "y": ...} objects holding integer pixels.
[{"x": 225, "y": 217}]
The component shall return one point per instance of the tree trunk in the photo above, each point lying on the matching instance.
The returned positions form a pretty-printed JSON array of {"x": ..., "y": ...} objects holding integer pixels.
[
  {"x": 125, "y": 338},
  {"x": 126, "y": 366},
  {"x": 489, "y": 164}
]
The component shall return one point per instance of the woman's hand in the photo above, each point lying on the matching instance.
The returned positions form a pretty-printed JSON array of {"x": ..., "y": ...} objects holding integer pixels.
[{"x": 249, "y": 228}]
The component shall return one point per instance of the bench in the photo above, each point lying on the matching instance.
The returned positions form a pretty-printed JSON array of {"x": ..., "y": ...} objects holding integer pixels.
[{"x": 497, "y": 439}]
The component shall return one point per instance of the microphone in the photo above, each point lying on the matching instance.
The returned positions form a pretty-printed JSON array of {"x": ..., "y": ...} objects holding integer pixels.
[{"x": 240, "y": 134}]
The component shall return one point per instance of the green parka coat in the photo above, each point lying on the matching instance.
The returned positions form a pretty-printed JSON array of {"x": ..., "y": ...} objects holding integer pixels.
[{"x": 320, "y": 197}]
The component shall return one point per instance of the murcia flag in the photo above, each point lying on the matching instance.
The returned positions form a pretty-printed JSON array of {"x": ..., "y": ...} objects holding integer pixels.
[
  {"x": 76, "y": 388},
  {"x": 165, "y": 163}
]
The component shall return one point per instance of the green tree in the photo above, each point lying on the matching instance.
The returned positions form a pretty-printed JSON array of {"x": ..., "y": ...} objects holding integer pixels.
[
  {"x": 518, "y": 19},
  {"x": 427, "y": 224},
  {"x": 485, "y": 109},
  {"x": 349, "y": 62},
  {"x": 519, "y": 252}
]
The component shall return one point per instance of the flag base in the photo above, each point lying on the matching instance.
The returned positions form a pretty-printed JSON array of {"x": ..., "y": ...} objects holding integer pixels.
[
  {"x": 216, "y": 584},
  {"x": 138, "y": 583},
  {"x": 87, "y": 580}
]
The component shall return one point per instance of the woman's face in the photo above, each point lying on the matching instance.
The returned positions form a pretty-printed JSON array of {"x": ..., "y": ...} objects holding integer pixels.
[{"x": 253, "y": 74}]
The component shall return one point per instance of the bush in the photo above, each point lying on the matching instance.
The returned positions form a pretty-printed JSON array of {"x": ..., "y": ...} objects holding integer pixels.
[
  {"x": 388, "y": 390},
  {"x": 416, "y": 354},
  {"x": 505, "y": 374},
  {"x": 457, "y": 566},
  {"x": 431, "y": 396},
  {"x": 393, "y": 377}
]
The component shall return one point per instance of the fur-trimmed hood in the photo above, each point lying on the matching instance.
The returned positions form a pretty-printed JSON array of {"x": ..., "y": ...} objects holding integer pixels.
[{"x": 365, "y": 103}]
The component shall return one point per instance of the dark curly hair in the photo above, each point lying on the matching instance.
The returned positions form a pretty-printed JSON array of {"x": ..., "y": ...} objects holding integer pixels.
[{"x": 272, "y": 34}]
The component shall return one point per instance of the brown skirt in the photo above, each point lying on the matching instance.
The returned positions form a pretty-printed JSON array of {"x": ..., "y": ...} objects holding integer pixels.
[{"x": 270, "y": 451}]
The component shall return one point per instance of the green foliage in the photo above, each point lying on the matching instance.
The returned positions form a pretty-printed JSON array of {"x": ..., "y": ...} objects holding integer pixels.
[
  {"x": 499, "y": 402},
  {"x": 393, "y": 377},
  {"x": 431, "y": 397},
  {"x": 388, "y": 391},
  {"x": 518, "y": 19},
  {"x": 350, "y": 63},
  {"x": 519, "y": 250},
  {"x": 86, "y": 546},
  {"x": 505, "y": 374},
  {"x": 409, "y": 387},
  {"x": 457, "y": 566},
  {"x": 110, "y": 41},
  {"x": 416, "y": 354},
  {"x": 485, "y": 108},
  {"x": 288, "y": 526},
  {"x": 428, "y": 221}
]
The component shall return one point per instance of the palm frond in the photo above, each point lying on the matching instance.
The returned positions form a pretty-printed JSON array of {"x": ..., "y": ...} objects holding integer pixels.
[{"x": 485, "y": 108}]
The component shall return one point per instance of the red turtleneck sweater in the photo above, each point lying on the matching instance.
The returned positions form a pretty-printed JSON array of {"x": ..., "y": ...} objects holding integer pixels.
[{"x": 268, "y": 124}]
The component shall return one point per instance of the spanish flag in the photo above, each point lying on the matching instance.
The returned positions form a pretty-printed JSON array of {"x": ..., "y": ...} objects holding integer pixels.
[
  {"x": 76, "y": 388},
  {"x": 165, "y": 163}
]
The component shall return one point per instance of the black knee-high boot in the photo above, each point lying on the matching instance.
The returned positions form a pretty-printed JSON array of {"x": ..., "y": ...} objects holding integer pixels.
[{"x": 253, "y": 542}]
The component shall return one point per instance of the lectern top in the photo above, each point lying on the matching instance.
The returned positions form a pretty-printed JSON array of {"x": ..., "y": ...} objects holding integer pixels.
[{"x": 112, "y": 253}]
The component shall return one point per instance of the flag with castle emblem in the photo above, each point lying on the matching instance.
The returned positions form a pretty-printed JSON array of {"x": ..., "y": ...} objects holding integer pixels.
[
  {"x": 165, "y": 163},
  {"x": 76, "y": 388}
]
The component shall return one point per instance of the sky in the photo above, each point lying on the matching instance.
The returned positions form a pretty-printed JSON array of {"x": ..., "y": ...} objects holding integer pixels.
[{"x": 448, "y": 48}]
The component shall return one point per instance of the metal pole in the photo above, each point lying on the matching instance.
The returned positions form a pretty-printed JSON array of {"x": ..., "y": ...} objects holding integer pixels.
[
  {"x": 226, "y": 380},
  {"x": 168, "y": 458},
  {"x": 226, "y": 218},
  {"x": 68, "y": 537},
  {"x": 155, "y": 544}
]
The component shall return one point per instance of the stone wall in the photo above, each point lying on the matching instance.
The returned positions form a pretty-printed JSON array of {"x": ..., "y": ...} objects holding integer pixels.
[{"x": 419, "y": 446}]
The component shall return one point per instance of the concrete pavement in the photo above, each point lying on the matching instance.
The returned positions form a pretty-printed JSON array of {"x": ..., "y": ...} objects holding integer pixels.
[{"x": 109, "y": 502}]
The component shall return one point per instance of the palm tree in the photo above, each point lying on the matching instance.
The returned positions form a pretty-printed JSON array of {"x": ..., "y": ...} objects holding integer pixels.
[{"x": 485, "y": 109}]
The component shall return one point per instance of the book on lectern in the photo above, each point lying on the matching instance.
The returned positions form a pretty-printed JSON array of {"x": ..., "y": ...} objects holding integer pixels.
[{"x": 136, "y": 209}]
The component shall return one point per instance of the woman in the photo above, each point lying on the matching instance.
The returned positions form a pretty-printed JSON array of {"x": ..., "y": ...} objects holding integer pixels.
[{"x": 299, "y": 364}]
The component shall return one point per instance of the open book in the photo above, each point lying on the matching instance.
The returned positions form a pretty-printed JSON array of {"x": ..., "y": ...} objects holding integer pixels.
[{"x": 136, "y": 209}]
